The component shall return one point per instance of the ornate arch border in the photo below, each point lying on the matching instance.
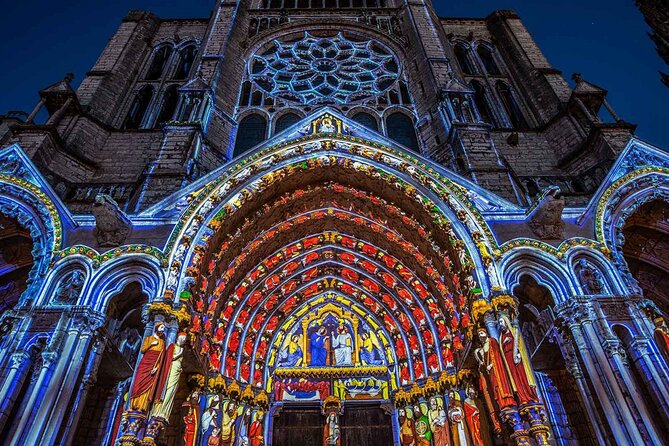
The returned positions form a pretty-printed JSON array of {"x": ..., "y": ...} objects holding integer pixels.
[
  {"x": 222, "y": 196},
  {"x": 624, "y": 197},
  {"x": 619, "y": 202},
  {"x": 36, "y": 212},
  {"x": 114, "y": 276},
  {"x": 548, "y": 270}
]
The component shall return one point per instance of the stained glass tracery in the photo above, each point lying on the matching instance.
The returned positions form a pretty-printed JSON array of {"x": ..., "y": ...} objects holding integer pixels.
[{"x": 324, "y": 70}]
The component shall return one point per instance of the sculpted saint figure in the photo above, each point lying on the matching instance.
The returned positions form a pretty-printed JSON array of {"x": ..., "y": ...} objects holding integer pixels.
[
  {"x": 473, "y": 417},
  {"x": 591, "y": 279},
  {"x": 406, "y": 428},
  {"x": 456, "y": 414},
  {"x": 515, "y": 357},
  {"x": 163, "y": 407},
  {"x": 422, "y": 432},
  {"x": 439, "y": 423},
  {"x": 190, "y": 420},
  {"x": 331, "y": 433},
  {"x": 152, "y": 369},
  {"x": 291, "y": 355},
  {"x": 256, "y": 430},
  {"x": 489, "y": 357},
  {"x": 342, "y": 343},
  {"x": 318, "y": 347},
  {"x": 661, "y": 333},
  {"x": 228, "y": 425}
]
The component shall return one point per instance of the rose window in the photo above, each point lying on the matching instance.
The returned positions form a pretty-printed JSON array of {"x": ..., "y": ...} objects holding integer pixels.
[{"x": 324, "y": 70}]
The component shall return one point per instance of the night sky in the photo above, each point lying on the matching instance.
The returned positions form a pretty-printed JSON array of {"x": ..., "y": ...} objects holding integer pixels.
[{"x": 605, "y": 40}]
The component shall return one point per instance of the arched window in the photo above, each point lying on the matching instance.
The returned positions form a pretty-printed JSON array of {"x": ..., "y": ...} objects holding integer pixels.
[
  {"x": 401, "y": 129},
  {"x": 245, "y": 95},
  {"x": 251, "y": 132},
  {"x": 488, "y": 60},
  {"x": 286, "y": 121},
  {"x": 367, "y": 120},
  {"x": 138, "y": 108},
  {"x": 463, "y": 60},
  {"x": 158, "y": 63},
  {"x": 481, "y": 102},
  {"x": 511, "y": 107},
  {"x": 169, "y": 105},
  {"x": 404, "y": 92},
  {"x": 186, "y": 59}
]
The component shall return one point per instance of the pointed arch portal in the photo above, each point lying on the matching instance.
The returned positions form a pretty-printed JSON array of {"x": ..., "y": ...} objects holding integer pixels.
[{"x": 327, "y": 266}]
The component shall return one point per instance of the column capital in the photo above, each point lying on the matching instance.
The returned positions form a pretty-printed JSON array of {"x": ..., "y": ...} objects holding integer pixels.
[
  {"x": 576, "y": 311},
  {"x": 641, "y": 346},
  {"x": 49, "y": 358},
  {"x": 613, "y": 348},
  {"x": 18, "y": 358},
  {"x": 85, "y": 321}
]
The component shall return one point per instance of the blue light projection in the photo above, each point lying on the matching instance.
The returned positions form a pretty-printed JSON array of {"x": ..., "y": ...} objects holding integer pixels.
[{"x": 324, "y": 70}]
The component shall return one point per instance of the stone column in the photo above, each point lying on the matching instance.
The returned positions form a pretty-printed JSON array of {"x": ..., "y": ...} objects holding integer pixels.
[
  {"x": 615, "y": 352},
  {"x": 87, "y": 382},
  {"x": 520, "y": 435},
  {"x": 577, "y": 315},
  {"x": 113, "y": 422},
  {"x": 12, "y": 384},
  {"x": 48, "y": 359},
  {"x": 640, "y": 356},
  {"x": 586, "y": 397},
  {"x": 54, "y": 409}
]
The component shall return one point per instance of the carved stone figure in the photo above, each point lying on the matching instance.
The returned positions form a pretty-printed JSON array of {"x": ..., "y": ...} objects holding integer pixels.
[
  {"x": 517, "y": 362},
  {"x": 441, "y": 435},
  {"x": 456, "y": 415},
  {"x": 70, "y": 287},
  {"x": 473, "y": 418},
  {"x": 112, "y": 226},
  {"x": 489, "y": 356},
  {"x": 406, "y": 428},
  {"x": 331, "y": 434},
  {"x": 590, "y": 278},
  {"x": 422, "y": 431},
  {"x": 546, "y": 219},
  {"x": 163, "y": 406},
  {"x": 151, "y": 374}
]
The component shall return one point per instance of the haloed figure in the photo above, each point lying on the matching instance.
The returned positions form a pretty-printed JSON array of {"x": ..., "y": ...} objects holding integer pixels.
[{"x": 151, "y": 375}]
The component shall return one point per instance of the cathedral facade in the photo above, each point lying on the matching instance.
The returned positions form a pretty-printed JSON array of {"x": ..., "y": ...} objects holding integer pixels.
[{"x": 331, "y": 222}]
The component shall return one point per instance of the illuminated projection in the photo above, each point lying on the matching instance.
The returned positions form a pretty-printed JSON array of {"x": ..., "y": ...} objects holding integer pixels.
[
  {"x": 330, "y": 223},
  {"x": 324, "y": 70}
]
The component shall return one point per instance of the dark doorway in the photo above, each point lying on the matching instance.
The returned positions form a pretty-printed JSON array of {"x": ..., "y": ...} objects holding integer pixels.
[
  {"x": 361, "y": 424},
  {"x": 298, "y": 425},
  {"x": 366, "y": 424}
]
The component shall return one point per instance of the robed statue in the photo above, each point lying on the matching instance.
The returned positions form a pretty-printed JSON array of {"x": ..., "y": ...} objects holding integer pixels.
[
  {"x": 342, "y": 343},
  {"x": 331, "y": 432},
  {"x": 163, "y": 406},
  {"x": 318, "y": 347},
  {"x": 489, "y": 357},
  {"x": 152, "y": 371},
  {"x": 441, "y": 435},
  {"x": 291, "y": 354},
  {"x": 515, "y": 357}
]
